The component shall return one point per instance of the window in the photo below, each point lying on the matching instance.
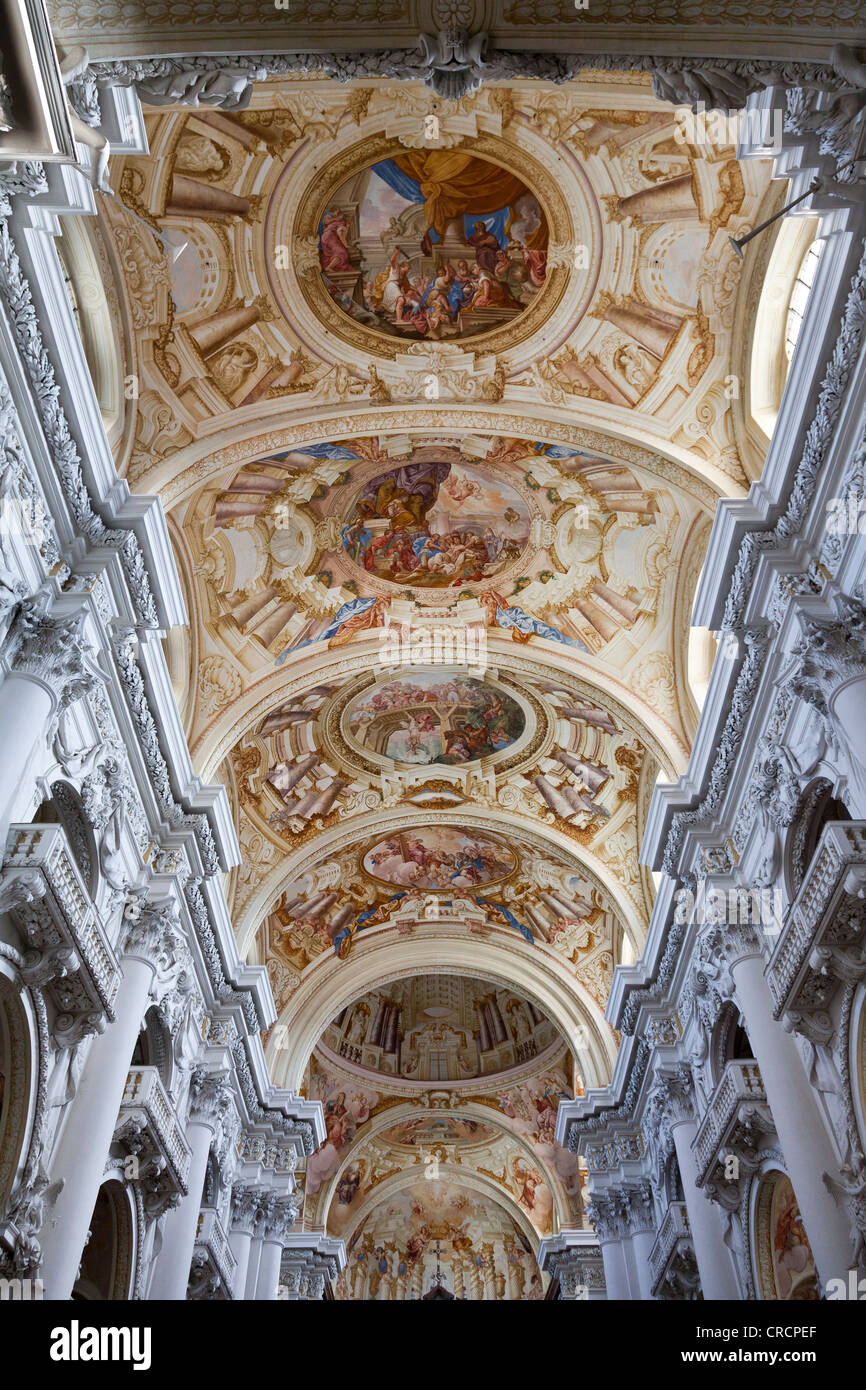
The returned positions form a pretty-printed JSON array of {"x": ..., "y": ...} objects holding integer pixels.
[{"x": 800, "y": 294}]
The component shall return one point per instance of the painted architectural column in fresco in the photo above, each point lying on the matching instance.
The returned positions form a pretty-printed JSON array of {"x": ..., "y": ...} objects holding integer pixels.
[
  {"x": 319, "y": 803},
  {"x": 538, "y": 921},
  {"x": 293, "y": 775},
  {"x": 378, "y": 1025},
  {"x": 500, "y": 1032},
  {"x": 484, "y": 1040},
  {"x": 192, "y": 198},
  {"x": 590, "y": 773},
  {"x": 652, "y": 328},
  {"x": 624, "y": 606},
  {"x": 209, "y": 1099},
  {"x": 604, "y": 625},
  {"x": 554, "y": 798},
  {"x": 664, "y": 202},
  {"x": 214, "y": 332},
  {"x": 596, "y": 718},
  {"x": 798, "y": 1120}
]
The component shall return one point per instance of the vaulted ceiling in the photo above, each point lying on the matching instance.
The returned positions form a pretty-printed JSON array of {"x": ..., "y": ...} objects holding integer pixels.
[{"x": 437, "y": 397}]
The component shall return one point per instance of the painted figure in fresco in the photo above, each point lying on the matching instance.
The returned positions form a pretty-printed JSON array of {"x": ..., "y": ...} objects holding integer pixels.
[
  {"x": 338, "y": 1123},
  {"x": 438, "y": 865},
  {"x": 486, "y": 247},
  {"x": 350, "y": 1182},
  {"x": 334, "y": 242},
  {"x": 791, "y": 1253},
  {"x": 451, "y": 197},
  {"x": 417, "y": 1244}
]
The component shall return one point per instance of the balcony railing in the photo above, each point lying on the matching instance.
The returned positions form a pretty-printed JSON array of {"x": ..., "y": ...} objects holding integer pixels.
[
  {"x": 738, "y": 1107},
  {"x": 673, "y": 1234},
  {"x": 213, "y": 1249},
  {"x": 826, "y": 918},
  {"x": 53, "y": 911},
  {"x": 147, "y": 1111}
]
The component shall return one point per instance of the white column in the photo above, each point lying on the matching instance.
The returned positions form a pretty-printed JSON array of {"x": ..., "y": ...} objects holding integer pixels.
[
  {"x": 639, "y": 1270},
  {"x": 268, "y": 1276},
  {"x": 84, "y": 1145},
  {"x": 25, "y": 710},
  {"x": 615, "y": 1276},
  {"x": 89, "y": 1128},
  {"x": 245, "y": 1203},
  {"x": 253, "y": 1268},
  {"x": 715, "y": 1263},
  {"x": 49, "y": 661},
  {"x": 848, "y": 706},
  {"x": 210, "y": 1098},
  {"x": 799, "y": 1124},
  {"x": 279, "y": 1212}
]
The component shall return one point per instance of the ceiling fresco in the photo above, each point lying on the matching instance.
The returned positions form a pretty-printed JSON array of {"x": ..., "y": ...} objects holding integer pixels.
[
  {"x": 439, "y": 412},
  {"x": 435, "y": 521},
  {"x": 436, "y": 244},
  {"x": 429, "y": 719}
]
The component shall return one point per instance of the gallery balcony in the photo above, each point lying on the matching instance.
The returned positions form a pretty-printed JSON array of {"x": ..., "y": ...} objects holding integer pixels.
[
  {"x": 672, "y": 1259},
  {"x": 66, "y": 950},
  {"x": 213, "y": 1264},
  {"x": 149, "y": 1129},
  {"x": 820, "y": 946},
  {"x": 736, "y": 1117}
]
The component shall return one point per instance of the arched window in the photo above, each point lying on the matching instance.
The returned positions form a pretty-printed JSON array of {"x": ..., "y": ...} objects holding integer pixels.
[
  {"x": 108, "y": 1264},
  {"x": 800, "y": 294},
  {"x": 153, "y": 1047}
]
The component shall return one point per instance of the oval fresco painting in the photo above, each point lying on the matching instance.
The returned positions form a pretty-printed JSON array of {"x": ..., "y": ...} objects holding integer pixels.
[
  {"x": 435, "y": 718},
  {"x": 443, "y": 1130},
  {"x": 433, "y": 523},
  {"x": 438, "y": 859},
  {"x": 433, "y": 244}
]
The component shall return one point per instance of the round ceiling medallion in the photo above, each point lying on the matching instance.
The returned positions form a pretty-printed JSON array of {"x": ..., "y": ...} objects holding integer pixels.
[
  {"x": 436, "y": 244},
  {"x": 434, "y": 717},
  {"x": 435, "y": 521},
  {"x": 400, "y": 246},
  {"x": 439, "y": 859}
]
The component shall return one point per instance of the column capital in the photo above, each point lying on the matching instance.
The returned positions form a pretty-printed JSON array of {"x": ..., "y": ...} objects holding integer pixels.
[
  {"x": 608, "y": 1211},
  {"x": 830, "y": 653},
  {"x": 152, "y": 933},
  {"x": 212, "y": 1100},
  {"x": 676, "y": 1093},
  {"x": 245, "y": 1206},
  {"x": 278, "y": 1216},
  {"x": 51, "y": 648}
]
